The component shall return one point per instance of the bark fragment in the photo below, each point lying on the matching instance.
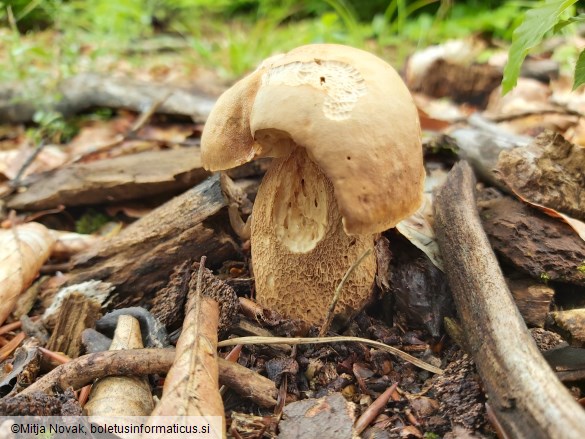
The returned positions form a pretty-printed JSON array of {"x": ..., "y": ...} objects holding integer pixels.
[
  {"x": 549, "y": 171},
  {"x": 570, "y": 324},
  {"x": 110, "y": 180},
  {"x": 77, "y": 313},
  {"x": 541, "y": 246}
]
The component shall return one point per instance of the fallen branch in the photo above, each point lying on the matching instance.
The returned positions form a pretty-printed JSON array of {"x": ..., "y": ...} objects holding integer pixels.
[
  {"x": 524, "y": 393},
  {"x": 88, "y": 90},
  {"x": 84, "y": 370}
]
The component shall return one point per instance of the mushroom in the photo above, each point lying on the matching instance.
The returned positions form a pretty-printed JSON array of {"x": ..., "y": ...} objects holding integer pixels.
[{"x": 344, "y": 133}]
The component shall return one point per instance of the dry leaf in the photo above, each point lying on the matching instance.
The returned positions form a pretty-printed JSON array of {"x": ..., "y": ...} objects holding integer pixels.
[
  {"x": 418, "y": 228},
  {"x": 11, "y": 161},
  {"x": 192, "y": 384},
  {"x": 23, "y": 250}
]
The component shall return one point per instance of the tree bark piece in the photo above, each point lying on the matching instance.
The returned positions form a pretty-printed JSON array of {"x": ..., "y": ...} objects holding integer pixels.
[
  {"x": 117, "y": 179},
  {"x": 83, "y": 370},
  {"x": 139, "y": 260},
  {"x": 544, "y": 247},
  {"x": 526, "y": 397},
  {"x": 462, "y": 82},
  {"x": 481, "y": 143},
  {"x": 549, "y": 172},
  {"x": 88, "y": 90},
  {"x": 77, "y": 313}
]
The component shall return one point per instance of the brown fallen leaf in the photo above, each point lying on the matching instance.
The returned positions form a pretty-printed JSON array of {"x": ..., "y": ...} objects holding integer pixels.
[
  {"x": 11, "y": 161},
  {"x": 192, "y": 384},
  {"x": 23, "y": 250},
  {"x": 122, "y": 395},
  {"x": 418, "y": 228}
]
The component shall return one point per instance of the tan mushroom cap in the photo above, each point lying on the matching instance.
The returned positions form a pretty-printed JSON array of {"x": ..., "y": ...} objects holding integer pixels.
[{"x": 352, "y": 113}]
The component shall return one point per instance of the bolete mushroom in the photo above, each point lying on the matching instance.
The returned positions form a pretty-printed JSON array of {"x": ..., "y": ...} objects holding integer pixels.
[{"x": 344, "y": 133}]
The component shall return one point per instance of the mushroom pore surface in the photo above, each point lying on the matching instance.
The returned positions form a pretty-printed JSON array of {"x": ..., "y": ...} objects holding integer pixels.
[{"x": 299, "y": 247}]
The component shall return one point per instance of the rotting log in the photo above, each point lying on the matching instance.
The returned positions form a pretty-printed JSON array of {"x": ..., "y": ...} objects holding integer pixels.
[
  {"x": 524, "y": 393},
  {"x": 140, "y": 259},
  {"x": 87, "y": 90}
]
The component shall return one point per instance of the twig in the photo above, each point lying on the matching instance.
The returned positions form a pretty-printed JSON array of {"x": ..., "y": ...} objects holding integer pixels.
[
  {"x": 15, "y": 325},
  {"x": 15, "y": 182},
  {"x": 83, "y": 396},
  {"x": 523, "y": 114},
  {"x": 84, "y": 370},
  {"x": 322, "y": 340},
  {"x": 9, "y": 347},
  {"x": 373, "y": 410},
  {"x": 57, "y": 357},
  {"x": 337, "y": 294}
]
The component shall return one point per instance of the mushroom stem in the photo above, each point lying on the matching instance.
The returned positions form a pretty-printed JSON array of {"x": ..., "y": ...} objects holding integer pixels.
[
  {"x": 333, "y": 304},
  {"x": 299, "y": 248}
]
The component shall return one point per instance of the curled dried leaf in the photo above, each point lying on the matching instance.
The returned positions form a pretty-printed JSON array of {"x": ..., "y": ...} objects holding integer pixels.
[{"x": 23, "y": 250}]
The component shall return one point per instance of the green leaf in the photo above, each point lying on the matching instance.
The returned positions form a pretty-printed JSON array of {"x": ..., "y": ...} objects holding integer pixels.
[
  {"x": 580, "y": 71},
  {"x": 536, "y": 24},
  {"x": 561, "y": 24}
]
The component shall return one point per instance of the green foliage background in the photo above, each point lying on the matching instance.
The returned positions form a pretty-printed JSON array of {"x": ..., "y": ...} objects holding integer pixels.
[{"x": 232, "y": 37}]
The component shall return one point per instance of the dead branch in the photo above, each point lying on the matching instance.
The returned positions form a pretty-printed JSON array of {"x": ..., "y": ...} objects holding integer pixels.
[
  {"x": 88, "y": 90},
  {"x": 83, "y": 370},
  {"x": 526, "y": 396}
]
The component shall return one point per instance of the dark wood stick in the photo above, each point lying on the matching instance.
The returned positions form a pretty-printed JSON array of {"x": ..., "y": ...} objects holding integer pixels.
[
  {"x": 524, "y": 393},
  {"x": 84, "y": 370}
]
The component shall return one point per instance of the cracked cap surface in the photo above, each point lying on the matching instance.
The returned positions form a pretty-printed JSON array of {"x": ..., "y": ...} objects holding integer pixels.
[{"x": 352, "y": 113}]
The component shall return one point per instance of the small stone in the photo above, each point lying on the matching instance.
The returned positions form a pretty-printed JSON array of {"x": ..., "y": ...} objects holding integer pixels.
[{"x": 331, "y": 416}]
